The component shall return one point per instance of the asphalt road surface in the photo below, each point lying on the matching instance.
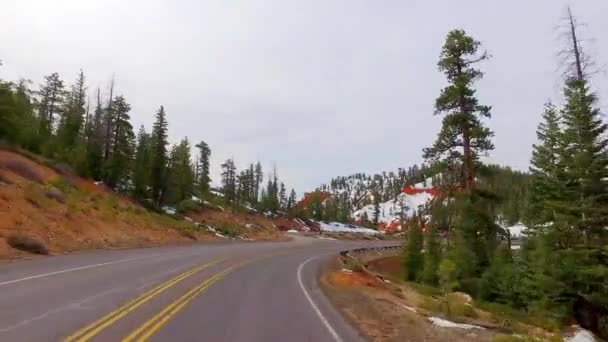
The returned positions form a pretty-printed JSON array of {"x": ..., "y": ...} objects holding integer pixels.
[{"x": 231, "y": 292}]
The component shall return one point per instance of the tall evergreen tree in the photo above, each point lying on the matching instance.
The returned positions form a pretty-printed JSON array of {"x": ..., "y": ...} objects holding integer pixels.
[
  {"x": 376, "y": 213},
  {"x": 259, "y": 178},
  {"x": 585, "y": 163},
  {"x": 8, "y": 116},
  {"x": 141, "y": 167},
  {"x": 282, "y": 197},
  {"x": 463, "y": 136},
  {"x": 545, "y": 168},
  {"x": 51, "y": 97},
  {"x": 412, "y": 257},
  {"x": 180, "y": 177},
  {"x": 229, "y": 181},
  {"x": 204, "y": 179},
  {"x": 291, "y": 201},
  {"x": 109, "y": 120},
  {"x": 73, "y": 115},
  {"x": 158, "y": 144},
  {"x": 118, "y": 165},
  {"x": 95, "y": 142}
]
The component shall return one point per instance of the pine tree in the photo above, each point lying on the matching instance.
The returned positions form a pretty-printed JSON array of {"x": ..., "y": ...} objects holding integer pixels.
[
  {"x": 463, "y": 136},
  {"x": 282, "y": 197},
  {"x": 253, "y": 188},
  {"x": 585, "y": 164},
  {"x": 545, "y": 168},
  {"x": 108, "y": 123},
  {"x": 204, "y": 179},
  {"x": 376, "y": 213},
  {"x": 432, "y": 256},
  {"x": 95, "y": 142},
  {"x": 73, "y": 116},
  {"x": 291, "y": 201},
  {"x": 8, "y": 117},
  {"x": 26, "y": 122},
  {"x": 159, "y": 143},
  {"x": 51, "y": 96},
  {"x": 229, "y": 181},
  {"x": 259, "y": 178},
  {"x": 118, "y": 165},
  {"x": 180, "y": 176},
  {"x": 413, "y": 261},
  {"x": 141, "y": 169}
]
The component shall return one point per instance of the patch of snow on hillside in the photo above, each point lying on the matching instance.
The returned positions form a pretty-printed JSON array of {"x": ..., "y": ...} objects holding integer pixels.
[
  {"x": 336, "y": 227},
  {"x": 581, "y": 335},
  {"x": 389, "y": 211},
  {"x": 439, "y": 322}
]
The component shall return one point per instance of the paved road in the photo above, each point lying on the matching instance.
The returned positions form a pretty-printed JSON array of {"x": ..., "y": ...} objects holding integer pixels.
[{"x": 232, "y": 292}]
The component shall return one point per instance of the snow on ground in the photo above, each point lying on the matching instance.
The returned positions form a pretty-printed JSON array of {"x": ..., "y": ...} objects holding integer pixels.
[
  {"x": 169, "y": 210},
  {"x": 581, "y": 335},
  {"x": 336, "y": 227},
  {"x": 442, "y": 323},
  {"x": 516, "y": 230},
  {"x": 389, "y": 211}
]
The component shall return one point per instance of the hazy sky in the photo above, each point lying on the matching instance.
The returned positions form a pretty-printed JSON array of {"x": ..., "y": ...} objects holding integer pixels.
[{"x": 321, "y": 88}]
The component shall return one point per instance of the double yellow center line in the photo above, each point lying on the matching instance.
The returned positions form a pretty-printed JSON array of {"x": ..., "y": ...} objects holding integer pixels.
[
  {"x": 91, "y": 330},
  {"x": 150, "y": 327},
  {"x": 159, "y": 320}
]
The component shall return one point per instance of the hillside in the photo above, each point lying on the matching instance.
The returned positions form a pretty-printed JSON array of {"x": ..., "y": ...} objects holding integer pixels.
[
  {"x": 46, "y": 209},
  {"x": 67, "y": 213},
  {"x": 360, "y": 187},
  {"x": 401, "y": 194}
]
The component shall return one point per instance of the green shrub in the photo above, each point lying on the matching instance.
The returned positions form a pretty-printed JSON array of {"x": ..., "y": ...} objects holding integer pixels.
[
  {"x": 188, "y": 205},
  {"x": 62, "y": 184}
]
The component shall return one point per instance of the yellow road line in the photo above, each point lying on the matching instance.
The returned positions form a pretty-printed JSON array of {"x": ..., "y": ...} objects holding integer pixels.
[
  {"x": 159, "y": 320},
  {"x": 94, "y": 328},
  {"x": 152, "y": 325}
]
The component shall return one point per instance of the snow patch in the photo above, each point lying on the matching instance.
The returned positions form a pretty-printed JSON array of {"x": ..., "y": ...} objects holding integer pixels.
[
  {"x": 292, "y": 231},
  {"x": 169, "y": 210},
  {"x": 391, "y": 210},
  {"x": 336, "y": 227},
  {"x": 442, "y": 323},
  {"x": 581, "y": 335},
  {"x": 517, "y": 230},
  {"x": 409, "y": 308}
]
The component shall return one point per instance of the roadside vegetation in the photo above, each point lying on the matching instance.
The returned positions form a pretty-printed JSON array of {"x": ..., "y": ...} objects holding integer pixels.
[
  {"x": 458, "y": 264},
  {"x": 560, "y": 273}
]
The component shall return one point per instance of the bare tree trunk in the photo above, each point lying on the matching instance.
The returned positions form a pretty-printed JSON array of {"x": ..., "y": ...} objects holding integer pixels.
[
  {"x": 108, "y": 134},
  {"x": 576, "y": 48}
]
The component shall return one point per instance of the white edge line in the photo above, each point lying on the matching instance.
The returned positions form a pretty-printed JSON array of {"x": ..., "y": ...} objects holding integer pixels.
[
  {"x": 69, "y": 270},
  {"x": 331, "y": 330}
]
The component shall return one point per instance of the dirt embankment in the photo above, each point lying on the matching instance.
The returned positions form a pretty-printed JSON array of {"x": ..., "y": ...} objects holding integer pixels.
[{"x": 43, "y": 205}]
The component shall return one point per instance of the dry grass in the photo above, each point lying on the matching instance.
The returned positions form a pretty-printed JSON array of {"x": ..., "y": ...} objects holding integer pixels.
[{"x": 28, "y": 244}]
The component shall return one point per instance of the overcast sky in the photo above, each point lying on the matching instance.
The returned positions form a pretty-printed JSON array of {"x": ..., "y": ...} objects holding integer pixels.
[{"x": 322, "y": 88}]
